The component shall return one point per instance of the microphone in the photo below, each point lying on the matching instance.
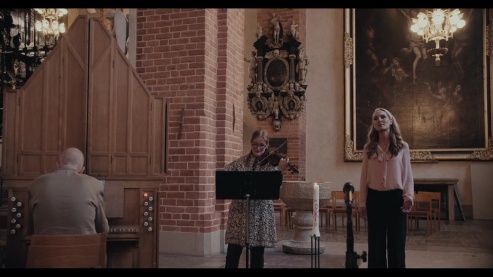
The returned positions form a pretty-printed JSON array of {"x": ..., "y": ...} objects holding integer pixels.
[{"x": 348, "y": 192}]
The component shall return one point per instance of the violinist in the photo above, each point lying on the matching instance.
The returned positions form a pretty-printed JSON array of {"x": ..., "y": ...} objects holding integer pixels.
[{"x": 262, "y": 228}]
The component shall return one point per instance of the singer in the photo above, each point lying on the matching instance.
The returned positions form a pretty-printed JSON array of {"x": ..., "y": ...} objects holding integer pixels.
[
  {"x": 262, "y": 225},
  {"x": 386, "y": 191}
]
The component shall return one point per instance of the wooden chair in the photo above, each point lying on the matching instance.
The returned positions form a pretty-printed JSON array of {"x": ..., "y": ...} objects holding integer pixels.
[
  {"x": 338, "y": 206},
  {"x": 435, "y": 206},
  {"x": 285, "y": 213},
  {"x": 279, "y": 207},
  {"x": 288, "y": 216},
  {"x": 67, "y": 251},
  {"x": 355, "y": 212},
  {"x": 422, "y": 209},
  {"x": 325, "y": 211}
]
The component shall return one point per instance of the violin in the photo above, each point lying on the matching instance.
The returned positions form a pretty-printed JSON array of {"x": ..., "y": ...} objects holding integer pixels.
[{"x": 274, "y": 157}]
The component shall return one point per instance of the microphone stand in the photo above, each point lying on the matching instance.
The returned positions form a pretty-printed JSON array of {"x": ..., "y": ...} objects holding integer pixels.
[{"x": 351, "y": 256}]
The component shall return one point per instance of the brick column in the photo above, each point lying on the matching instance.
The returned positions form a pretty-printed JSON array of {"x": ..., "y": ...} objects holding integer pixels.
[{"x": 192, "y": 58}]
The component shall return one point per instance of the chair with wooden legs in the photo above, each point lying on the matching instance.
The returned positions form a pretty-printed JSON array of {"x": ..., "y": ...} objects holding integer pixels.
[
  {"x": 338, "y": 206},
  {"x": 285, "y": 213},
  {"x": 434, "y": 207},
  {"x": 355, "y": 211},
  {"x": 325, "y": 210},
  {"x": 288, "y": 215},
  {"x": 67, "y": 251},
  {"x": 422, "y": 209},
  {"x": 279, "y": 206}
]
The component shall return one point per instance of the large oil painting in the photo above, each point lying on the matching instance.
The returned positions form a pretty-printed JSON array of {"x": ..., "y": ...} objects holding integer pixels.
[{"x": 442, "y": 105}]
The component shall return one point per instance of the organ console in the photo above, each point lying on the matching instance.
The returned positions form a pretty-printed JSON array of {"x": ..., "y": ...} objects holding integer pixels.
[
  {"x": 131, "y": 208},
  {"x": 133, "y": 238}
]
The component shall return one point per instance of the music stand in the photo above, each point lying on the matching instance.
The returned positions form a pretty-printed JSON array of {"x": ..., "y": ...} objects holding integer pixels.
[{"x": 247, "y": 185}]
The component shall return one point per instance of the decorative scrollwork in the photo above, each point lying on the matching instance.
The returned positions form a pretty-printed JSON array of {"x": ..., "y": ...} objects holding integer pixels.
[
  {"x": 484, "y": 155},
  {"x": 259, "y": 106},
  {"x": 349, "y": 154},
  {"x": 292, "y": 106},
  {"x": 422, "y": 156},
  {"x": 281, "y": 68}
]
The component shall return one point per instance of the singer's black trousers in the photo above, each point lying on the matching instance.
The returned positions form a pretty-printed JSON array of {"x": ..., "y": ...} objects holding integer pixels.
[
  {"x": 233, "y": 255},
  {"x": 386, "y": 229}
]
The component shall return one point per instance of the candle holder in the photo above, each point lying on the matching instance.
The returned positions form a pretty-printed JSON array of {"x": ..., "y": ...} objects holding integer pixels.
[{"x": 315, "y": 251}]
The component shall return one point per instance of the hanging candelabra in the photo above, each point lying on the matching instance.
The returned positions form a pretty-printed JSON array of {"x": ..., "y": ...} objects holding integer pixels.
[
  {"x": 50, "y": 25},
  {"x": 437, "y": 25}
]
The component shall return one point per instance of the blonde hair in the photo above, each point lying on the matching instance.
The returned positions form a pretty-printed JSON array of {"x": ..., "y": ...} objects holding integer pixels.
[{"x": 396, "y": 141}]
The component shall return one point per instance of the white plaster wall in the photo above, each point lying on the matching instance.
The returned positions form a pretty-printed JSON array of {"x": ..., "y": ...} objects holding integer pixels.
[
  {"x": 325, "y": 100},
  {"x": 482, "y": 190}
]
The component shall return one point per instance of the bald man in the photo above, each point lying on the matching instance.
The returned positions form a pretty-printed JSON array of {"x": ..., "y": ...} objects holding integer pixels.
[{"x": 67, "y": 201}]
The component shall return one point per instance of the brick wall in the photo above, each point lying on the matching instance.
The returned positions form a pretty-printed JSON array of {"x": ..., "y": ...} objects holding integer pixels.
[{"x": 194, "y": 59}]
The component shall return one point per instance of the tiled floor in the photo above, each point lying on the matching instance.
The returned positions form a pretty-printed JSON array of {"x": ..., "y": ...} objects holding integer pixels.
[{"x": 460, "y": 244}]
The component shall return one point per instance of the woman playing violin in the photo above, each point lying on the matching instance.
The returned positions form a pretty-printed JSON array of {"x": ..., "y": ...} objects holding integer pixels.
[{"x": 262, "y": 227}]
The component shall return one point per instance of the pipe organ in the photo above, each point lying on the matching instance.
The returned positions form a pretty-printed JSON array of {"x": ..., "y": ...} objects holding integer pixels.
[{"x": 86, "y": 94}]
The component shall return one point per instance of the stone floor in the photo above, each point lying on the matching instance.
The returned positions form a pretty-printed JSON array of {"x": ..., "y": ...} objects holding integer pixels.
[{"x": 459, "y": 244}]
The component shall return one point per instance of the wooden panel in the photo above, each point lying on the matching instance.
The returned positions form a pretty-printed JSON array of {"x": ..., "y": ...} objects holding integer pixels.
[
  {"x": 49, "y": 112},
  {"x": 9, "y": 141},
  {"x": 121, "y": 120},
  {"x": 122, "y": 103},
  {"x": 158, "y": 137},
  {"x": 101, "y": 83},
  {"x": 123, "y": 254},
  {"x": 113, "y": 195},
  {"x": 31, "y": 100},
  {"x": 67, "y": 251},
  {"x": 74, "y": 105}
]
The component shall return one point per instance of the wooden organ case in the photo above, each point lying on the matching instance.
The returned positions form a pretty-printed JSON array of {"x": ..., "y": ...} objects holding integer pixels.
[{"x": 87, "y": 95}]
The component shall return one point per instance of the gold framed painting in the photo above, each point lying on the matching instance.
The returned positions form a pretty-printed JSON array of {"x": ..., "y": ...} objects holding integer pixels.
[{"x": 442, "y": 102}]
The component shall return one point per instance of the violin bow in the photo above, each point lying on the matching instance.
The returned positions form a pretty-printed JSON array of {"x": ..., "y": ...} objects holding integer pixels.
[{"x": 273, "y": 151}]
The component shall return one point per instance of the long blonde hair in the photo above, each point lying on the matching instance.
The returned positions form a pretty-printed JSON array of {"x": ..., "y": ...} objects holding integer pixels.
[{"x": 396, "y": 141}]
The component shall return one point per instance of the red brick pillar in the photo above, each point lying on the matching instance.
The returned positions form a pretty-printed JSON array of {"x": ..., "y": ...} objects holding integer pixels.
[{"x": 192, "y": 58}]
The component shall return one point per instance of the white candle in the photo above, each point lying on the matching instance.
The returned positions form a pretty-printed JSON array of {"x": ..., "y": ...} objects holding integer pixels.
[{"x": 315, "y": 229}]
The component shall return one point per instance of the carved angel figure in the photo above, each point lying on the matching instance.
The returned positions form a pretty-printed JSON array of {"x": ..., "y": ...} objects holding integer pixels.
[
  {"x": 259, "y": 31},
  {"x": 301, "y": 67},
  {"x": 294, "y": 32}
]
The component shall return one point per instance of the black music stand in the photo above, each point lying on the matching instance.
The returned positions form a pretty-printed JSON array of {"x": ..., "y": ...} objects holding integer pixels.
[{"x": 248, "y": 185}]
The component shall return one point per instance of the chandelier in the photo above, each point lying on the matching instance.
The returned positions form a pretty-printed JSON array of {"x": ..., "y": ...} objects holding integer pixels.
[
  {"x": 437, "y": 25},
  {"x": 50, "y": 25}
]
